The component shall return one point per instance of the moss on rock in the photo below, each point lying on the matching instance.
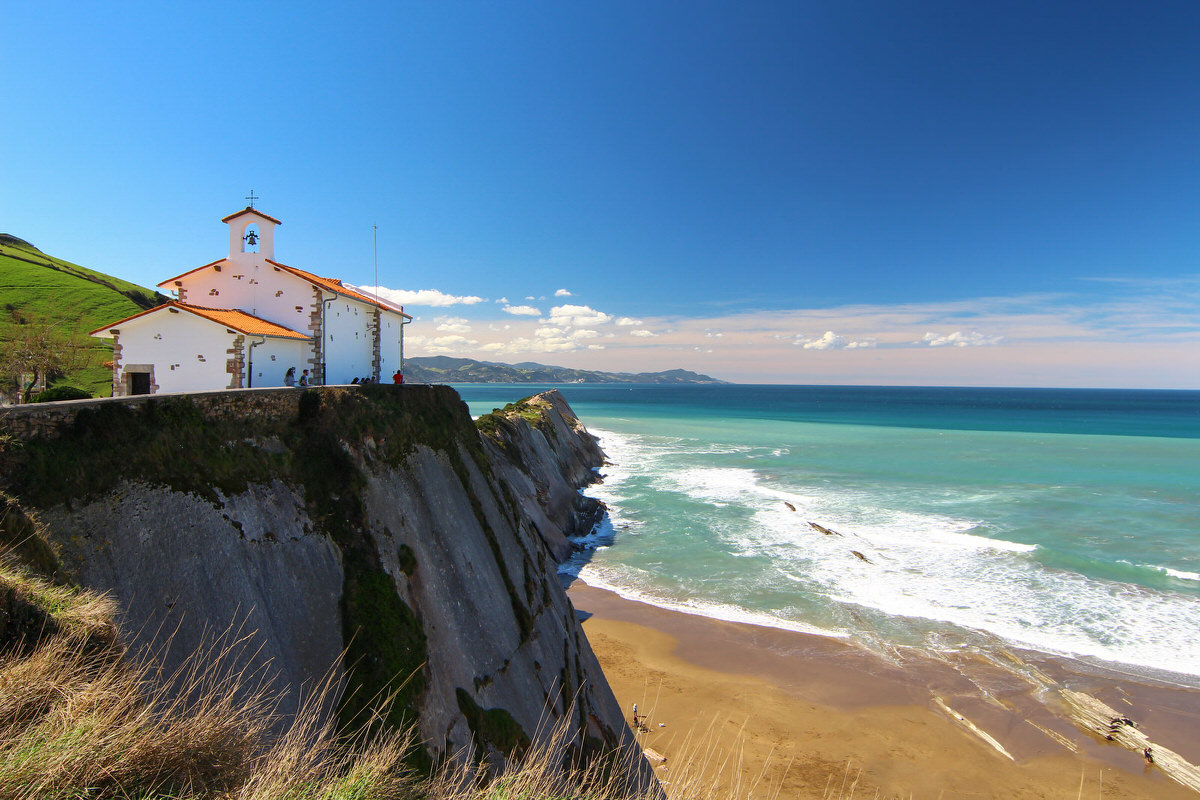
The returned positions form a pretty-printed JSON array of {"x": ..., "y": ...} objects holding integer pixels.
[{"x": 493, "y": 727}]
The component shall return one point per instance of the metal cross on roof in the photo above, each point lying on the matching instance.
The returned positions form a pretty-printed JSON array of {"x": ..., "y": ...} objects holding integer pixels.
[{"x": 252, "y": 197}]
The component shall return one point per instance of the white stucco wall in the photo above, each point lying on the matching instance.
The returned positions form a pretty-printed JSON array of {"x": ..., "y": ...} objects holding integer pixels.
[
  {"x": 272, "y": 358},
  {"x": 188, "y": 353},
  {"x": 267, "y": 292},
  {"x": 389, "y": 346},
  {"x": 349, "y": 345},
  {"x": 255, "y": 287}
]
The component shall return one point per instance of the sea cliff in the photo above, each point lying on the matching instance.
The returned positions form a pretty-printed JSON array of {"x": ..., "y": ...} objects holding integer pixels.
[{"x": 372, "y": 531}]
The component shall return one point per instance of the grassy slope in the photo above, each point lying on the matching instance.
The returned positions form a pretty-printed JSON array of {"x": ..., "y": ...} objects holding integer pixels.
[{"x": 35, "y": 285}]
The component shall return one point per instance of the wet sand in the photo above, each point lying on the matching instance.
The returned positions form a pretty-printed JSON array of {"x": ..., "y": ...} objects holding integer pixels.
[{"x": 808, "y": 715}]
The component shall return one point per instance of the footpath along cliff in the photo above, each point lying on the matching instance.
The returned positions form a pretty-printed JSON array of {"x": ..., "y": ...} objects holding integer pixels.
[{"x": 374, "y": 531}]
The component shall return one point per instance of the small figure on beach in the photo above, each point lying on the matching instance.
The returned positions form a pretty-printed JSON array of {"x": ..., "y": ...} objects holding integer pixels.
[
  {"x": 1148, "y": 755},
  {"x": 289, "y": 377},
  {"x": 639, "y": 723}
]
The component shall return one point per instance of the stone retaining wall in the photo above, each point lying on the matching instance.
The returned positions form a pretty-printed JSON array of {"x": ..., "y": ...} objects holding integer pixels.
[{"x": 35, "y": 420}]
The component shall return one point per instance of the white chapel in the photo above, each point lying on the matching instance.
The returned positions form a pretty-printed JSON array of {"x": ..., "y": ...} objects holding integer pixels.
[{"x": 245, "y": 320}]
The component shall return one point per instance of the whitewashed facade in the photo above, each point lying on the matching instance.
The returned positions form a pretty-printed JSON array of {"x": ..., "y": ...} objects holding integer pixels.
[{"x": 263, "y": 317}]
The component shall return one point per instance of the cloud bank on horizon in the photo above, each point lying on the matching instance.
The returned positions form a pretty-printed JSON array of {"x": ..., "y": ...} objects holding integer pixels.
[{"x": 1140, "y": 339}]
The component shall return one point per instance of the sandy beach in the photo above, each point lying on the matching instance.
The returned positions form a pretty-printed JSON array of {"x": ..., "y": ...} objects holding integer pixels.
[{"x": 806, "y": 716}]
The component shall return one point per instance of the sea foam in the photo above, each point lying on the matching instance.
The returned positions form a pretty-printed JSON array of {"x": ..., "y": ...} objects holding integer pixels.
[{"x": 904, "y": 564}]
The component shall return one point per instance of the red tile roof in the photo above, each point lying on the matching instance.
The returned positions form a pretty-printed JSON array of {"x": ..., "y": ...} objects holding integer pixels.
[
  {"x": 335, "y": 285},
  {"x": 249, "y": 210},
  {"x": 236, "y": 320},
  {"x": 329, "y": 284},
  {"x": 242, "y": 322}
]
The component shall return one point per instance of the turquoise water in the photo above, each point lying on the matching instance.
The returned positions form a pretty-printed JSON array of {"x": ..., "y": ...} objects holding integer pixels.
[{"x": 1066, "y": 521}]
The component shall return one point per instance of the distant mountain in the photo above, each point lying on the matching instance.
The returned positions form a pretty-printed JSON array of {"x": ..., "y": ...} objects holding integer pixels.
[{"x": 445, "y": 369}]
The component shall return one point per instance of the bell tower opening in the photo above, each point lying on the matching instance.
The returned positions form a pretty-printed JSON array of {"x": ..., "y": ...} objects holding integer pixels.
[
  {"x": 250, "y": 238},
  {"x": 251, "y": 234}
]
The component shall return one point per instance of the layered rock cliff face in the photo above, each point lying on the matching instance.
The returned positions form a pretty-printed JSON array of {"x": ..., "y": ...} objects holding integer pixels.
[{"x": 374, "y": 532}]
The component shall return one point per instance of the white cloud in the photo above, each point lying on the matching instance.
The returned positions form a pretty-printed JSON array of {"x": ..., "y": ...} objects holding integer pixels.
[
  {"x": 448, "y": 344},
  {"x": 960, "y": 339},
  {"x": 642, "y": 332},
  {"x": 562, "y": 293},
  {"x": 503, "y": 301},
  {"x": 423, "y": 297},
  {"x": 584, "y": 333},
  {"x": 832, "y": 341},
  {"x": 522, "y": 311},
  {"x": 577, "y": 316},
  {"x": 452, "y": 324},
  {"x": 628, "y": 322}
]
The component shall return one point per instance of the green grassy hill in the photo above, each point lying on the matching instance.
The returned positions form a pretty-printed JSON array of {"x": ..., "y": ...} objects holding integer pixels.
[{"x": 35, "y": 287}]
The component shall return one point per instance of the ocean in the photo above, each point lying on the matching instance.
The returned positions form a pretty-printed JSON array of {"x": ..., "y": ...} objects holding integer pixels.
[{"x": 1060, "y": 521}]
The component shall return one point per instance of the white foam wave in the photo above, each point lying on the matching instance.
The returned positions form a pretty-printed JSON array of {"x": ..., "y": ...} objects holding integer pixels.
[
  {"x": 594, "y": 576},
  {"x": 918, "y": 565},
  {"x": 1179, "y": 574}
]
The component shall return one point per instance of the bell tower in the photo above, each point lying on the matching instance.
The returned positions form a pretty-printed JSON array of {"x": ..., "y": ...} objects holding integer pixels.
[{"x": 251, "y": 233}]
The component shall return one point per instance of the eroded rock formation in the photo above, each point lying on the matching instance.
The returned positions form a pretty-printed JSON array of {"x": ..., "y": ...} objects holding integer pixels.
[{"x": 372, "y": 531}]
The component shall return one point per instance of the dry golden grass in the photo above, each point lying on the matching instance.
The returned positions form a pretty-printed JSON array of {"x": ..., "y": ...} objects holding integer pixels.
[{"x": 80, "y": 718}]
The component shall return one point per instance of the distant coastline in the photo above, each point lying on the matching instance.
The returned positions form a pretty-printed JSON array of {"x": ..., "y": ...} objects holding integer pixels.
[{"x": 446, "y": 369}]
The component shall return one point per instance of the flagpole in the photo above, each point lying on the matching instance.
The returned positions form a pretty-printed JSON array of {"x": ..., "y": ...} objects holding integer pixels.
[{"x": 378, "y": 312}]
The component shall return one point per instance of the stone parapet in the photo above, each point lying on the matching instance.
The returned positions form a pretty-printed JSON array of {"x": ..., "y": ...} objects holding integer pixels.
[{"x": 37, "y": 420}]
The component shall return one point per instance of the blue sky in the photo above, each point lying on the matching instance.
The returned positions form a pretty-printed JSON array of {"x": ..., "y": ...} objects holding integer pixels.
[{"x": 800, "y": 192}]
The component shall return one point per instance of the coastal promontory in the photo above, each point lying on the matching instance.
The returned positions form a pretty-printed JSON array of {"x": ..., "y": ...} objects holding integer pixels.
[{"x": 375, "y": 534}]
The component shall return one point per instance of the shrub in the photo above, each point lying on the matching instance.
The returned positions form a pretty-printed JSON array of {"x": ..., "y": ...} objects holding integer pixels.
[{"x": 62, "y": 392}]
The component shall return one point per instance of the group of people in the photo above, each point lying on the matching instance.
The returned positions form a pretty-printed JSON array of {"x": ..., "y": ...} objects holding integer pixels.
[
  {"x": 289, "y": 379},
  {"x": 397, "y": 379}
]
